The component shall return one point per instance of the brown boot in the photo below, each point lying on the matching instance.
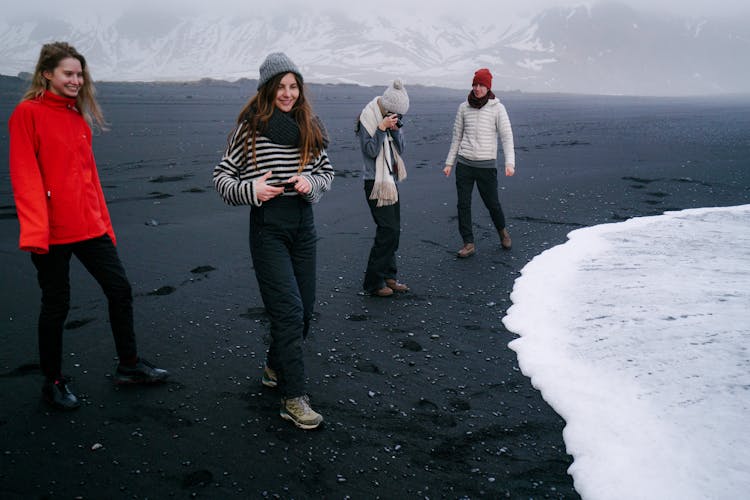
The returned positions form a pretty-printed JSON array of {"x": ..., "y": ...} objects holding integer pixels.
[
  {"x": 467, "y": 251},
  {"x": 505, "y": 239},
  {"x": 396, "y": 286},
  {"x": 382, "y": 292}
]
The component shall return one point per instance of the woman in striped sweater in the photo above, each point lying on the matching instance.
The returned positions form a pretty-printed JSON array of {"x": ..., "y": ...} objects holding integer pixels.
[
  {"x": 479, "y": 121},
  {"x": 276, "y": 162}
]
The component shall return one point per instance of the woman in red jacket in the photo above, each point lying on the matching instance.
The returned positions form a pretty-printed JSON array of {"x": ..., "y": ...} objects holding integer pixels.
[{"x": 62, "y": 212}]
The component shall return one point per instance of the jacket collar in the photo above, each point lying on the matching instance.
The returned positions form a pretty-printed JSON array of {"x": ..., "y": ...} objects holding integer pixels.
[{"x": 51, "y": 99}]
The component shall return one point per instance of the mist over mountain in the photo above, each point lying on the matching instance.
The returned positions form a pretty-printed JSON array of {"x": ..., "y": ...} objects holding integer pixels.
[{"x": 601, "y": 49}]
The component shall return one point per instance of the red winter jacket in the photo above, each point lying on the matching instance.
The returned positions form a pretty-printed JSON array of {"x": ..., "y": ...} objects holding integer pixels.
[{"x": 58, "y": 195}]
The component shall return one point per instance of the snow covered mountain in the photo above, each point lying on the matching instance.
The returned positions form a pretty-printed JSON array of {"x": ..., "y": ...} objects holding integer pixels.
[{"x": 607, "y": 48}]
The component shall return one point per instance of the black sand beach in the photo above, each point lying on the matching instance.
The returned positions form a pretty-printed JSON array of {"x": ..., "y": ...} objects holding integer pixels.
[{"x": 421, "y": 396}]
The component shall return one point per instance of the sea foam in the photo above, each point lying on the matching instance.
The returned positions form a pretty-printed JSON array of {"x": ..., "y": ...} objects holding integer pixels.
[{"x": 638, "y": 334}]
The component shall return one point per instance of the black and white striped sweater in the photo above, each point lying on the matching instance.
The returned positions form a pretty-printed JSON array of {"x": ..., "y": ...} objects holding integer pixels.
[{"x": 234, "y": 176}]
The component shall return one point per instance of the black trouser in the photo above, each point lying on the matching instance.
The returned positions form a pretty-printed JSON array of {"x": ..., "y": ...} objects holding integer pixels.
[
  {"x": 99, "y": 257},
  {"x": 486, "y": 180},
  {"x": 282, "y": 243},
  {"x": 381, "y": 265}
]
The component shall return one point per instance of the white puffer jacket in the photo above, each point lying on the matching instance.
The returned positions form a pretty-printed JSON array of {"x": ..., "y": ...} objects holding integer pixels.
[{"x": 475, "y": 133}]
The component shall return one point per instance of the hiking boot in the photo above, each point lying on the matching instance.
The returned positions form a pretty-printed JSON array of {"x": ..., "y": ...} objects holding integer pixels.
[
  {"x": 382, "y": 292},
  {"x": 396, "y": 286},
  {"x": 298, "y": 411},
  {"x": 269, "y": 378},
  {"x": 58, "y": 395},
  {"x": 466, "y": 251},
  {"x": 142, "y": 372},
  {"x": 505, "y": 239}
]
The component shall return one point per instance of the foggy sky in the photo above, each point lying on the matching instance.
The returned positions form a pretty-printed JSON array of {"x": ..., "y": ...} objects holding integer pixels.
[{"x": 480, "y": 11}]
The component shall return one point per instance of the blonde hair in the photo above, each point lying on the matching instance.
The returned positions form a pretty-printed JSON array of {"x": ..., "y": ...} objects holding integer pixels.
[{"x": 49, "y": 58}]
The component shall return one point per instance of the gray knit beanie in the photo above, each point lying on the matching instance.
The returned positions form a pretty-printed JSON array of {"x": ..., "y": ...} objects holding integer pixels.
[
  {"x": 395, "y": 98},
  {"x": 276, "y": 63}
]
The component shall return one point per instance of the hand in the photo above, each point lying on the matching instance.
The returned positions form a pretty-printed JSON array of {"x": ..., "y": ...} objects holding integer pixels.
[
  {"x": 301, "y": 184},
  {"x": 447, "y": 170},
  {"x": 389, "y": 122},
  {"x": 265, "y": 192},
  {"x": 510, "y": 169}
]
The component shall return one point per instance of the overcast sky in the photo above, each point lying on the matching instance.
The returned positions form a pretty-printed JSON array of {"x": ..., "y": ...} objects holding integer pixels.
[{"x": 483, "y": 10}]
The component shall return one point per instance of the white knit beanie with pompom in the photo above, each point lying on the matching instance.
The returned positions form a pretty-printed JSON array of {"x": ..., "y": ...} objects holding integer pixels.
[{"x": 395, "y": 99}]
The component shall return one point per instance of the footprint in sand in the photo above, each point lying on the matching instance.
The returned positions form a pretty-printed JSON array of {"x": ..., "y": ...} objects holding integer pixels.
[
  {"x": 77, "y": 323},
  {"x": 23, "y": 370},
  {"x": 202, "y": 269},
  {"x": 411, "y": 345},
  {"x": 167, "y": 178}
]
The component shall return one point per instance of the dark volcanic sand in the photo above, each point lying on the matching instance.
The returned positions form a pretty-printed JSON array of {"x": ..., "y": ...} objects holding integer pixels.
[{"x": 421, "y": 396}]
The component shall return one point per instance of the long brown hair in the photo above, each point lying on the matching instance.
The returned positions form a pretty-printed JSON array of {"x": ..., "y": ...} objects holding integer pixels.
[
  {"x": 255, "y": 115},
  {"x": 49, "y": 57}
]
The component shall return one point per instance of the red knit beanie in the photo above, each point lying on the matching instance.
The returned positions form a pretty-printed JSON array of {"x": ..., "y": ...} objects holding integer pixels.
[{"x": 483, "y": 77}]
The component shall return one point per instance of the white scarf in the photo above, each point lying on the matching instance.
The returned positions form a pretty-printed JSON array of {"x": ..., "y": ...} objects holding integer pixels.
[{"x": 384, "y": 190}]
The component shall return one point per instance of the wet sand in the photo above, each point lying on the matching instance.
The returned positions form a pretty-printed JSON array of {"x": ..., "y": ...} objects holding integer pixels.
[{"x": 421, "y": 395}]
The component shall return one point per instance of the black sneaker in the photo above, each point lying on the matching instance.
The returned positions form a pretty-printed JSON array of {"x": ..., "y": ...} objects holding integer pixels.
[
  {"x": 142, "y": 373},
  {"x": 58, "y": 395}
]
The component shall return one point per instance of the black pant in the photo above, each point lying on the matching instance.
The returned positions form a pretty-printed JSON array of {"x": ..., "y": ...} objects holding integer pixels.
[
  {"x": 486, "y": 180},
  {"x": 99, "y": 257},
  {"x": 381, "y": 264},
  {"x": 282, "y": 243}
]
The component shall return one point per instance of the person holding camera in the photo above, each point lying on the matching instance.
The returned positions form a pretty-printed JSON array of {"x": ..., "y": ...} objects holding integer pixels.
[
  {"x": 479, "y": 121},
  {"x": 276, "y": 162},
  {"x": 382, "y": 144}
]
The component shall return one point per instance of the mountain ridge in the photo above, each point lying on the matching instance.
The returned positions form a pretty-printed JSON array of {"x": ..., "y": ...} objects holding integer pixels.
[{"x": 601, "y": 49}]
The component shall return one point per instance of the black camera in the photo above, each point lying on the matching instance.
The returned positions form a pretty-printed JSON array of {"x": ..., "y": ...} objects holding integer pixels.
[
  {"x": 399, "y": 123},
  {"x": 288, "y": 186}
]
